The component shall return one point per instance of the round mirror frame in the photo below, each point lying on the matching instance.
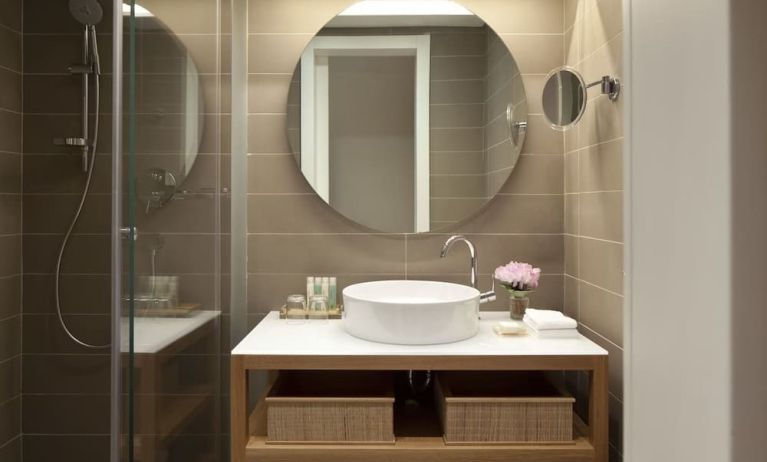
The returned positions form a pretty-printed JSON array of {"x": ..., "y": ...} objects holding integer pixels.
[
  {"x": 584, "y": 97},
  {"x": 516, "y": 135}
]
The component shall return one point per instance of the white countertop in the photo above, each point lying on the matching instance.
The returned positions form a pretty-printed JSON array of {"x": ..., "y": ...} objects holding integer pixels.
[
  {"x": 274, "y": 337},
  {"x": 152, "y": 335}
]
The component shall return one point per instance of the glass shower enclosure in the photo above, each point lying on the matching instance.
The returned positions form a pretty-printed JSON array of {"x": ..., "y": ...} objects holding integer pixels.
[{"x": 169, "y": 195}]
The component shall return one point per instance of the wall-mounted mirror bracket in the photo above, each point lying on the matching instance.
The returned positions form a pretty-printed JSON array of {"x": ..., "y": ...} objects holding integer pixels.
[{"x": 610, "y": 86}]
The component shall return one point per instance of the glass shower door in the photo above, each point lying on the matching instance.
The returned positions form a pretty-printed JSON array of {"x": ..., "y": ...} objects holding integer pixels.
[{"x": 171, "y": 218}]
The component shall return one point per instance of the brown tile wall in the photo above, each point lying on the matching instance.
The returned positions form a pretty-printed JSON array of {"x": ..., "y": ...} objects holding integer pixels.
[
  {"x": 593, "y": 182},
  {"x": 11, "y": 96},
  {"x": 57, "y": 373},
  {"x": 292, "y": 233},
  {"x": 66, "y": 387}
]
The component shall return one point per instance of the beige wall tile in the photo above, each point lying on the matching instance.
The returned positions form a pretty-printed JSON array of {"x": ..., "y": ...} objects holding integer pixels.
[
  {"x": 267, "y": 133},
  {"x": 572, "y": 214},
  {"x": 535, "y": 54},
  {"x": 457, "y": 44},
  {"x": 450, "y": 211},
  {"x": 601, "y": 263},
  {"x": 199, "y": 16},
  {"x": 518, "y": 214},
  {"x": 275, "y": 174},
  {"x": 331, "y": 253},
  {"x": 275, "y": 54},
  {"x": 456, "y": 92},
  {"x": 536, "y": 175},
  {"x": 602, "y": 312},
  {"x": 571, "y": 255},
  {"x": 268, "y": 93},
  {"x": 458, "y": 115},
  {"x": 571, "y": 305},
  {"x": 291, "y": 15},
  {"x": 601, "y": 23},
  {"x": 533, "y": 84},
  {"x": 469, "y": 186},
  {"x": 544, "y": 251},
  {"x": 457, "y": 68},
  {"x": 540, "y": 138},
  {"x": 308, "y": 214},
  {"x": 456, "y": 139},
  {"x": 601, "y": 215},
  {"x": 601, "y": 167},
  {"x": 455, "y": 162},
  {"x": 530, "y": 16},
  {"x": 571, "y": 173}
]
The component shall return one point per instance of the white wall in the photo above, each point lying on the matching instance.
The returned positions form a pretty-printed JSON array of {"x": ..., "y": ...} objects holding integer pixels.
[{"x": 696, "y": 232}]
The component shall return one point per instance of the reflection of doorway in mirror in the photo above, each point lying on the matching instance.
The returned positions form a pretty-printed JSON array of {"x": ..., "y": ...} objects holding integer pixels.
[{"x": 315, "y": 127}]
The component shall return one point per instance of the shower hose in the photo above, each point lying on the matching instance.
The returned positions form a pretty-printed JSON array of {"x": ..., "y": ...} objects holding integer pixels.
[{"x": 76, "y": 217}]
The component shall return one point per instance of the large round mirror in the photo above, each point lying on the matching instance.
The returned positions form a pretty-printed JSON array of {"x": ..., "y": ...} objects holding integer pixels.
[
  {"x": 406, "y": 116},
  {"x": 564, "y": 98},
  {"x": 171, "y": 105}
]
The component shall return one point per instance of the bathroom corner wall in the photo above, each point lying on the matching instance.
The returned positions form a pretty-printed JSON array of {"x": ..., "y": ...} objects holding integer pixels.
[
  {"x": 292, "y": 233},
  {"x": 593, "y": 225},
  {"x": 10, "y": 228}
]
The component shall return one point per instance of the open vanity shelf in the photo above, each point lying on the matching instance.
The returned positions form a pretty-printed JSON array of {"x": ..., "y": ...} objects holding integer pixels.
[{"x": 274, "y": 345}]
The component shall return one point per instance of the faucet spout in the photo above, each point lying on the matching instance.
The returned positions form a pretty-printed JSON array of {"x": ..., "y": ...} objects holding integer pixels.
[
  {"x": 485, "y": 296},
  {"x": 472, "y": 255}
]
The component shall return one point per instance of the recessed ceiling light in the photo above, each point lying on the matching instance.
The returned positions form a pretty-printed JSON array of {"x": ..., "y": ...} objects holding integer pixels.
[{"x": 406, "y": 8}]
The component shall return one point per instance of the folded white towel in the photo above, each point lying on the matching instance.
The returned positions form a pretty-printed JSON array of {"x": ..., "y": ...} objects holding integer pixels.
[
  {"x": 510, "y": 328},
  {"x": 555, "y": 333},
  {"x": 548, "y": 320}
]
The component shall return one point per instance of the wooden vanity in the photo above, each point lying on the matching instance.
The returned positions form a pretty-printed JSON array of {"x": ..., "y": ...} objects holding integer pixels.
[{"x": 276, "y": 345}]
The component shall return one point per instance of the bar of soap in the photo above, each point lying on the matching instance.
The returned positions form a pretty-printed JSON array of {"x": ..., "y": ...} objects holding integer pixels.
[{"x": 510, "y": 328}]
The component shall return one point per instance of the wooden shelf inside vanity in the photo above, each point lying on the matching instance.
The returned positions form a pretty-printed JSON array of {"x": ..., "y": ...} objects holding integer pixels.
[{"x": 274, "y": 345}]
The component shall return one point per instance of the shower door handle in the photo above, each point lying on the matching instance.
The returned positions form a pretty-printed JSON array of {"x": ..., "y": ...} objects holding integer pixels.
[{"x": 126, "y": 232}]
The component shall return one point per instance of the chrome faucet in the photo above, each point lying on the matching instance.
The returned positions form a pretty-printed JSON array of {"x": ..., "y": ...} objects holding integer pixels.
[{"x": 484, "y": 297}]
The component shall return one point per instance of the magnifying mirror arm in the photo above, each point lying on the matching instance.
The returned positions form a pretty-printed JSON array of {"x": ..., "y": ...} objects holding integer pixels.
[{"x": 610, "y": 86}]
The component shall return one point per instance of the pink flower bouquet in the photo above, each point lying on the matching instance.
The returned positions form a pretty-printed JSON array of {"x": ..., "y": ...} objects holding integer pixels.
[{"x": 518, "y": 276}]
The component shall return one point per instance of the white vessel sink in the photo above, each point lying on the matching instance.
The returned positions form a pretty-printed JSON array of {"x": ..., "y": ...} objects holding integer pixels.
[{"x": 411, "y": 312}]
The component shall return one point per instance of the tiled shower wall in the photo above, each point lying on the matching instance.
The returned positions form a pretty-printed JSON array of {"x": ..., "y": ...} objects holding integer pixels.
[
  {"x": 594, "y": 195},
  {"x": 61, "y": 379},
  {"x": 10, "y": 229},
  {"x": 292, "y": 233}
]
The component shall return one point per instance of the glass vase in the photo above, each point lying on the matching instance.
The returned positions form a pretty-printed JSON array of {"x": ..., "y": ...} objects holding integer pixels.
[{"x": 518, "y": 303}]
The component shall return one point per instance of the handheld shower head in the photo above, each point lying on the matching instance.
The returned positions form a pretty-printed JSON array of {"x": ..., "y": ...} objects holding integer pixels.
[{"x": 87, "y": 12}]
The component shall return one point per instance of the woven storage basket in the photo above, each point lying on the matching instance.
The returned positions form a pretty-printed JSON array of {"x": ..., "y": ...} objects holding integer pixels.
[
  {"x": 502, "y": 408},
  {"x": 331, "y": 408}
]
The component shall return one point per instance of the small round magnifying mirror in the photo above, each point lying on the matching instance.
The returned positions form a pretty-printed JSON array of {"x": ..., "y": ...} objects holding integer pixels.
[{"x": 564, "y": 98}]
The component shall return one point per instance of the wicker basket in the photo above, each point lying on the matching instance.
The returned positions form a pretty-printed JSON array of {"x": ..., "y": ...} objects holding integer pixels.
[
  {"x": 331, "y": 408},
  {"x": 502, "y": 408}
]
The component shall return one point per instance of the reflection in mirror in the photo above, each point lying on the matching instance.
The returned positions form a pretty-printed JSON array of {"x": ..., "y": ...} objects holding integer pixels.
[
  {"x": 564, "y": 98},
  {"x": 169, "y": 101},
  {"x": 406, "y": 120}
]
